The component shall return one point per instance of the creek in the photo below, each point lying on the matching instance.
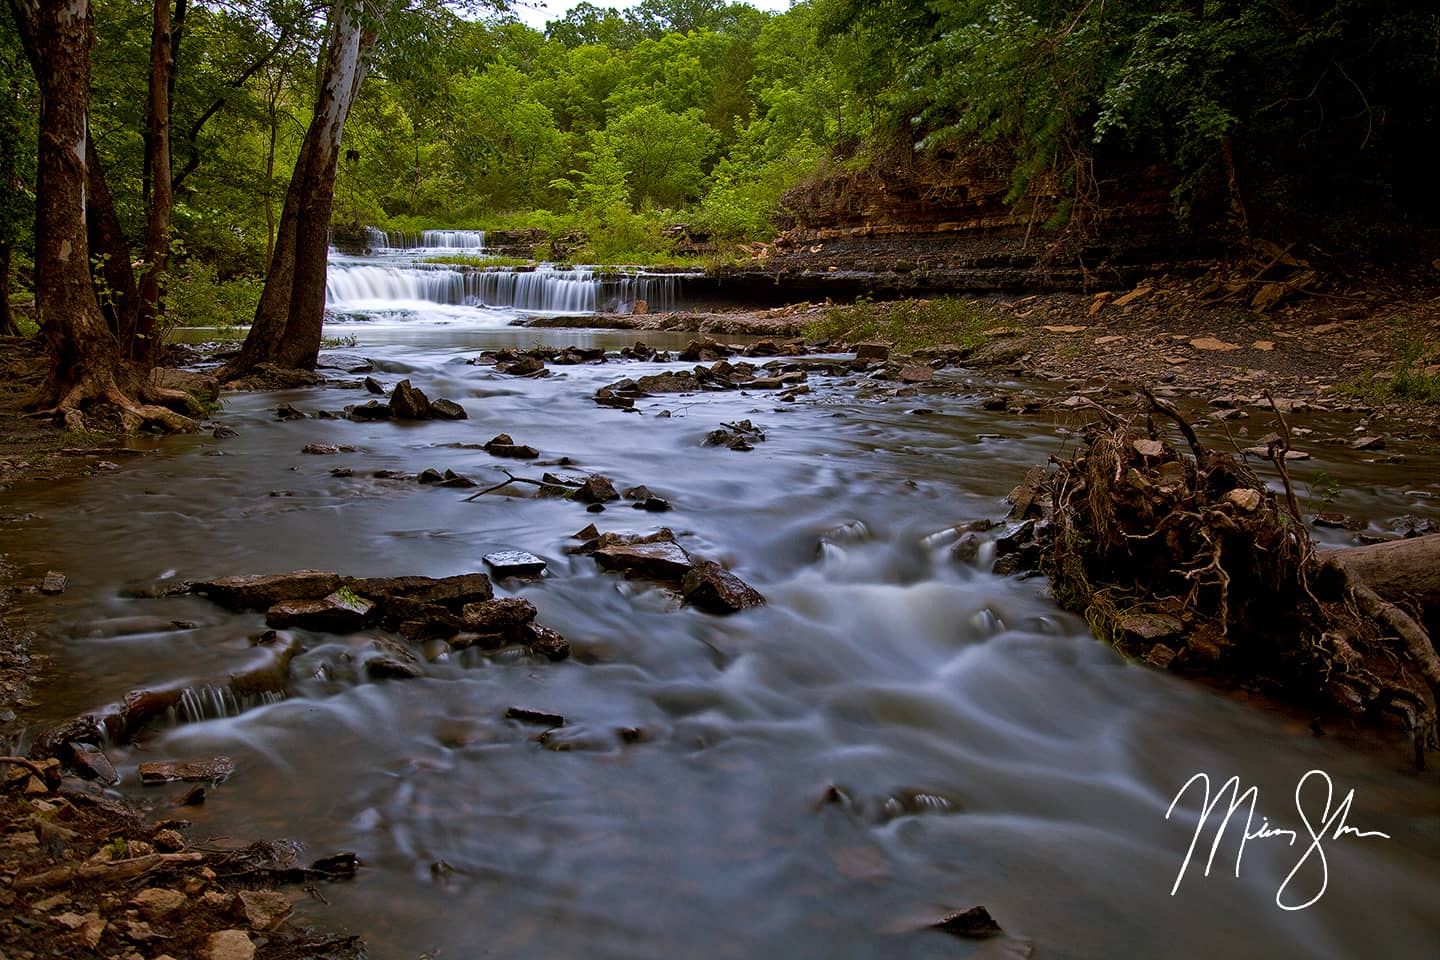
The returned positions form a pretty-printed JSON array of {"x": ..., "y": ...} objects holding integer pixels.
[{"x": 986, "y": 749}]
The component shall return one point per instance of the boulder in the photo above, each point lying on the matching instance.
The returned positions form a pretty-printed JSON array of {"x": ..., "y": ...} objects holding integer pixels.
[
  {"x": 712, "y": 588},
  {"x": 443, "y": 409},
  {"x": 261, "y": 909},
  {"x": 54, "y": 582},
  {"x": 343, "y": 611},
  {"x": 871, "y": 350},
  {"x": 374, "y": 386},
  {"x": 503, "y": 618},
  {"x": 916, "y": 373},
  {"x": 409, "y": 403},
  {"x": 229, "y": 945},
  {"x": 673, "y": 381},
  {"x": 523, "y": 367},
  {"x": 660, "y": 560},
  {"x": 374, "y": 410},
  {"x": 595, "y": 489},
  {"x": 545, "y": 642},
  {"x": 449, "y": 592},
  {"x": 503, "y": 445},
  {"x": 260, "y": 592}
]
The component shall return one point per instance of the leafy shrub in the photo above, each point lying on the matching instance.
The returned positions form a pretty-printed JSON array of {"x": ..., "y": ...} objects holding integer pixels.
[{"x": 196, "y": 297}]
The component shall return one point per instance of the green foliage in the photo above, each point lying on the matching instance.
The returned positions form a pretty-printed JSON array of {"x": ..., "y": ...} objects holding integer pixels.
[
  {"x": 663, "y": 153},
  {"x": 195, "y": 297},
  {"x": 905, "y": 324},
  {"x": 1286, "y": 114},
  {"x": 1413, "y": 378}
]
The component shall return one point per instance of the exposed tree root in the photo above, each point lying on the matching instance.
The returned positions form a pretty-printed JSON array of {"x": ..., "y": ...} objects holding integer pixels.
[
  {"x": 1191, "y": 563},
  {"x": 137, "y": 409}
]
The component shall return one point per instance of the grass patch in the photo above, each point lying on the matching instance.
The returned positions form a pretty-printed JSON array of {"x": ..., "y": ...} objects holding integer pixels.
[
  {"x": 907, "y": 325},
  {"x": 479, "y": 262},
  {"x": 1413, "y": 378}
]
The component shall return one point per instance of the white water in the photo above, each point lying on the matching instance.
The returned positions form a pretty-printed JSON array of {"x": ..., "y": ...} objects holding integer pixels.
[
  {"x": 394, "y": 278},
  {"x": 380, "y": 241}
]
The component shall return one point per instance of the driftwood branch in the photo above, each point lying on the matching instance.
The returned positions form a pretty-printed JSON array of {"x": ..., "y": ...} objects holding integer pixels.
[
  {"x": 1168, "y": 408},
  {"x": 1277, "y": 457},
  {"x": 510, "y": 478},
  {"x": 115, "y": 870}
]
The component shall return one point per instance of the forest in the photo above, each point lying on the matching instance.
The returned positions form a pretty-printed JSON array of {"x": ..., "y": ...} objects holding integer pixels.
[{"x": 1293, "y": 120}]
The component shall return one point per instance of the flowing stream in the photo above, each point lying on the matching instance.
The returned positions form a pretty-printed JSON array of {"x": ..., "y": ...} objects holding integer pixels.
[{"x": 985, "y": 749}]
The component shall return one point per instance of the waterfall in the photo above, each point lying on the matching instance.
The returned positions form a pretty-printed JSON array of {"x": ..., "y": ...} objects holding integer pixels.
[
  {"x": 543, "y": 290},
  {"x": 212, "y": 702},
  {"x": 472, "y": 241}
]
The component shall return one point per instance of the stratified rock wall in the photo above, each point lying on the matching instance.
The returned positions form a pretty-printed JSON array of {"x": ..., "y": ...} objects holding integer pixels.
[{"x": 942, "y": 223}]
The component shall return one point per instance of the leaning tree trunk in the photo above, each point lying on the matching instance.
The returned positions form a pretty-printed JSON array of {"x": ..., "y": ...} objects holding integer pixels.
[
  {"x": 267, "y": 331},
  {"x": 115, "y": 274},
  {"x": 7, "y": 319},
  {"x": 157, "y": 232},
  {"x": 291, "y": 313},
  {"x": 86, "y": 362}
]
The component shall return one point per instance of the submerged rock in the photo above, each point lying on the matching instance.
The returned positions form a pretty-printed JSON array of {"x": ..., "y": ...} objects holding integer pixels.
[
  {"x": 374, "y": 410},
  {"x": 444, "y": 409},
  {"x": 343, "y": 611},
  {"x": 714, "y": 589},
  {"x": 546, "y": 642},
  {"x": 503, "y": 445},
  {"x": 595, "y": 489},
  {"x": 167, "y": 771}
]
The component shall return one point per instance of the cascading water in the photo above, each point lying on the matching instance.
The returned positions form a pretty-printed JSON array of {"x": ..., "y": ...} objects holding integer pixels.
[
  {"x": 355, "y": 285},
  {"x": 454, "y": 239},
  {"x": 387, "y": 241}
]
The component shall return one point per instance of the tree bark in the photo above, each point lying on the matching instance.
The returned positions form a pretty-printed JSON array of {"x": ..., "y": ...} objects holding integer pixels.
[
  {"x": 291, "y": 313},
  {"x": 1397, "y": 569},
  {"x": 7, "y": 319},
  {"x": 116, "y": 279},
  {"x": 344, "y": 73},
  {"x": 142, "y": 343},
  {"x": 86, "y": 361}
]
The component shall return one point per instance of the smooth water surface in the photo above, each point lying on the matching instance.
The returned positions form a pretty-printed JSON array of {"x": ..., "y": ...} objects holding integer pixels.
[{"x": 984, "y": 749}]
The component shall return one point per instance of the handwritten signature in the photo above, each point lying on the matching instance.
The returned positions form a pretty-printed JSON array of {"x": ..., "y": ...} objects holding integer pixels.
[{"x": 1330, "y": 825}]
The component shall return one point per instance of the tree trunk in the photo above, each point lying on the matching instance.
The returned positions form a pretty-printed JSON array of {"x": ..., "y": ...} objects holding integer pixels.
[
  {"x": 291, "y": 313},
  {"x": 344, "y": 73},
  {"x": 268, "y": 328},
  {"x": 143, "y": 343},
  {"x": 116, "y": 280},
  {"x": 1398, "y": 569},
  {"x": 86, "y": 363},
  {"x": 7, "y": 319}
]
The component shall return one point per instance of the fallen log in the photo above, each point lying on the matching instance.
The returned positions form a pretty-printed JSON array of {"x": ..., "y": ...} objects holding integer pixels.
[{"x": 1396, "y": 569}]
